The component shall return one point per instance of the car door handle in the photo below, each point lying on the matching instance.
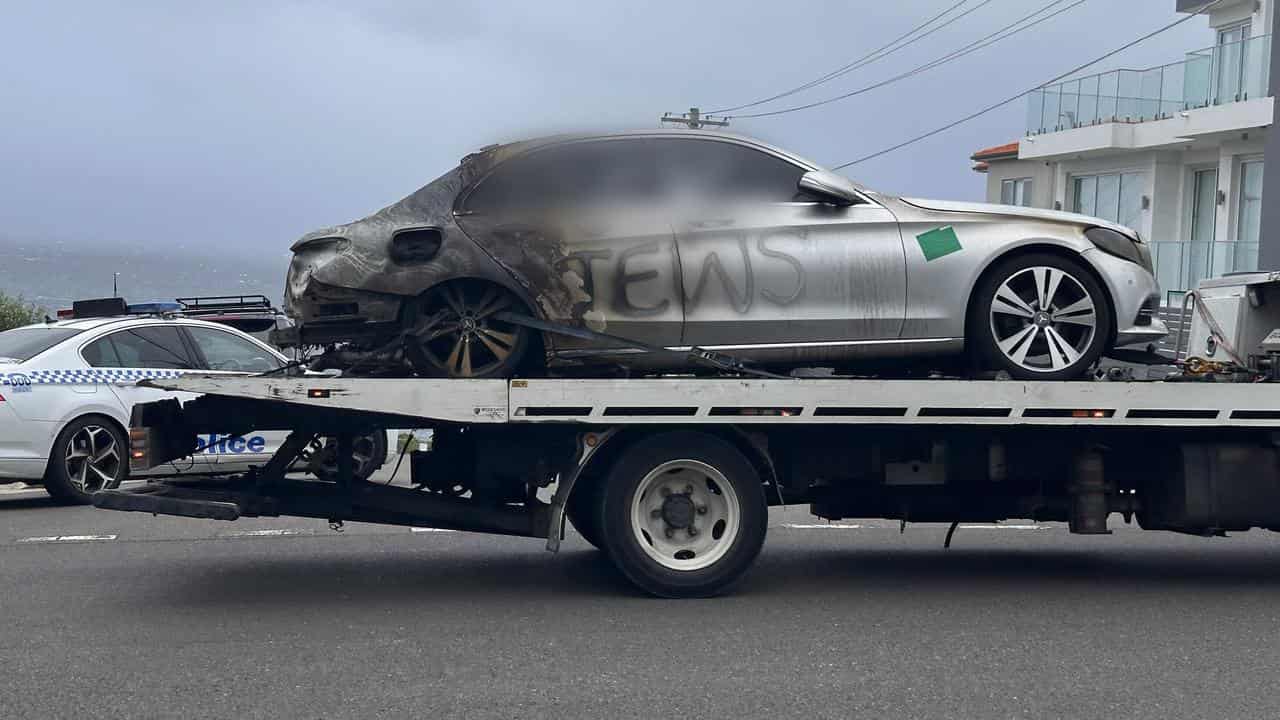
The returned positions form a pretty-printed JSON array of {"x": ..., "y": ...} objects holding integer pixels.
[{"x": 716, "y": 223}]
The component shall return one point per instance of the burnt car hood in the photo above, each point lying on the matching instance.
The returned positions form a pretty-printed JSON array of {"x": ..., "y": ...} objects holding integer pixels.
[{"x": 1016, "y": 211}]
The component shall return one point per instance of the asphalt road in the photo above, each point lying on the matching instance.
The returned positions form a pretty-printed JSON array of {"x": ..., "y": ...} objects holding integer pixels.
[{"x": 119, "y": 615}]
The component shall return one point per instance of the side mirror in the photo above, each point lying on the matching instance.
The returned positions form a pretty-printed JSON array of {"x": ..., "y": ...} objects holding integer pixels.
[{"x": 829, "y": 186}]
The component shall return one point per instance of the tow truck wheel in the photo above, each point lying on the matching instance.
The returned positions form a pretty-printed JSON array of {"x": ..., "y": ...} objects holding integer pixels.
[
  {"x": 581, "y": 511},
  {"x": 683, "y": 514},
  {"x": 88, "y": 455}
]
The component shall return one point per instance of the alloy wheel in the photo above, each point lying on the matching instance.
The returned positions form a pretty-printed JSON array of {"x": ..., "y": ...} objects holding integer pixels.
[
  {"x": 685, "y": 515},
  {"x": 320, "y": 457},
  {"x": 1043, "y": 319},
  {"x": 465, "y": 339},
  {"x": 93, "y": 461}
]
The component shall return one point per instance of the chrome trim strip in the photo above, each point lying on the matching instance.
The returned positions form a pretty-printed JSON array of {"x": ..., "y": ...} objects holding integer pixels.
[
  {"x": 762, "y": 346},
  {"x": 829, "y": 343}
]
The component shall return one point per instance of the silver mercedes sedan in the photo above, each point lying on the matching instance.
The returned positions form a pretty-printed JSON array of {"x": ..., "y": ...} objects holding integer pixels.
[{"x": 693, "y": 239}]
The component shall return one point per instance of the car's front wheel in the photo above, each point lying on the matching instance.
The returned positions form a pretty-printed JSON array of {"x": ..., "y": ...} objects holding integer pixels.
[
  {"x": 90, "y": 454},
  {"x": 1040, "y": 317}
]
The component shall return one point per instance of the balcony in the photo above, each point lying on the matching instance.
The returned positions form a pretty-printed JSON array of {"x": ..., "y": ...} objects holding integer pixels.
[{"x": 1219, "y": 75}]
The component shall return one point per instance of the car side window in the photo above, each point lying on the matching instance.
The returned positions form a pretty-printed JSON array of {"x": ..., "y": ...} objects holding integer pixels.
[
  {"x": 225, "y": 351},
  {"x": 155, "y": 347},
  {"x": 704, "y": 169},
  {"x": 572, "y": 175}
]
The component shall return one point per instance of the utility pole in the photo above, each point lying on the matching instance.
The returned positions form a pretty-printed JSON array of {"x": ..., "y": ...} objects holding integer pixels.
[{"x": 695, "y": 119}]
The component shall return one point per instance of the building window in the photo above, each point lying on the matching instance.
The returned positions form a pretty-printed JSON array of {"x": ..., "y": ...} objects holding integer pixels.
[
  {"x": 1244, "y": 255},
  {"x": 1116, "y": 197},
  {"x": 1016, "y": 192}
]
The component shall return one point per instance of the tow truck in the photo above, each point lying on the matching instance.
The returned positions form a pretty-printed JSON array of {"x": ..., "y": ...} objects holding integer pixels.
[{"x": 672, "y": 477}]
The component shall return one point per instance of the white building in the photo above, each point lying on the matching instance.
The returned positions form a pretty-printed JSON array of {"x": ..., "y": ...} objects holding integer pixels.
[{"x": 1174, "y": 152}]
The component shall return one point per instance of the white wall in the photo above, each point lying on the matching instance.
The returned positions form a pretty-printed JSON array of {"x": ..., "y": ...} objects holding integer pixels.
[
  {"x": 1040, "y": 172},
  {"x": 1169, "y": 177},
  {"x": 1233, "y": 13}
]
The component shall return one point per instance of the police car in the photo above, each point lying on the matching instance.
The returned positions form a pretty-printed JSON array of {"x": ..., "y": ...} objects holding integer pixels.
[{"x": 67, "y": 387}]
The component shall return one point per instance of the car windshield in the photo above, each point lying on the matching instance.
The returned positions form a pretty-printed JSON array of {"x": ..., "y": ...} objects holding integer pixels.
[{"x": 22, "y": 344}]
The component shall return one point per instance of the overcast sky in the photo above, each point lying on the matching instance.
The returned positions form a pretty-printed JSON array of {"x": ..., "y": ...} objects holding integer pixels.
[{"x": 244, "y": 124}]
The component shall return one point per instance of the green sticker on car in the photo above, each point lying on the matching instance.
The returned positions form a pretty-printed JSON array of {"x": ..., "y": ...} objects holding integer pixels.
[{"x": 938, "y": 242}]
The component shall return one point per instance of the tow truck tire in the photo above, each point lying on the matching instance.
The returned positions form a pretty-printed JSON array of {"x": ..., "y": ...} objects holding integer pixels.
[
  {"x": 581, "y": 511},
  {"x": 682, "y": 514},
  {"x": 90, "y": 454}
]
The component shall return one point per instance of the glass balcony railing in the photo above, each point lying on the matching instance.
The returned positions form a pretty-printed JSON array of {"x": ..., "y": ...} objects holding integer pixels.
[{"x": 1223, "y": 74}]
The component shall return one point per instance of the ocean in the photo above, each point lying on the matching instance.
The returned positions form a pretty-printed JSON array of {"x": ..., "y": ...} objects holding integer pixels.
[{"x": 52, "y": 274}]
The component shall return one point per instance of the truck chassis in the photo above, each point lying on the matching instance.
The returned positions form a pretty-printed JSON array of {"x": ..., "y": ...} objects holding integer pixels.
[{"x": 672, "y": 477}]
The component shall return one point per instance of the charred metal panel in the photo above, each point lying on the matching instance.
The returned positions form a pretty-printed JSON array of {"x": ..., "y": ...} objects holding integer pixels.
[
  {"x": 612, "y": 272},
  {"x": 356, "y": 256}
]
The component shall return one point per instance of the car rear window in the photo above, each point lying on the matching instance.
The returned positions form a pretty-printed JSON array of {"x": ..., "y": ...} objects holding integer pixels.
[{"x": 22, "y": 344}]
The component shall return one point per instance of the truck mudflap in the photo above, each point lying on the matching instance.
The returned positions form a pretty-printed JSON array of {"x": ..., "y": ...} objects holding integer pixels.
[{"x": 237, "y": 497}]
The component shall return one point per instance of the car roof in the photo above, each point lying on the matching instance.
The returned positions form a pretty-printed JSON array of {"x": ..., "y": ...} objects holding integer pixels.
[
  {"x": 494, "y": 154},
  {"x": 84, "y": 324}
]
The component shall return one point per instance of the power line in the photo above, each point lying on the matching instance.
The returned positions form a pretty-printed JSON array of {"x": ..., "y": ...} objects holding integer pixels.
[
  {"x": 1024, "y": 93},
  {"x": 864, "y": 60},
  {"x": 986, "y": 41}
]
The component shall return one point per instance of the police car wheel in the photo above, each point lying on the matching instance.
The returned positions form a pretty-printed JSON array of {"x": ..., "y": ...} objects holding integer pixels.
[
  {"x": 369, "y": 452},
  {"x": 90, "y": 454}
]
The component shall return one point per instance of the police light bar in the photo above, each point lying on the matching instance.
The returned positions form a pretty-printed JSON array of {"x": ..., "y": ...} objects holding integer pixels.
[{"x": 153, "y": 307}]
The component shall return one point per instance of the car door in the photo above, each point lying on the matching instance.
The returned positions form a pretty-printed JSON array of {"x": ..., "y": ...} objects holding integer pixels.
[
  {"x": 578, "y": 221},
  {"x": 142, "y": 351},
  {"x": 223, "y": 352},
  {"x": 766, "y": 266}
]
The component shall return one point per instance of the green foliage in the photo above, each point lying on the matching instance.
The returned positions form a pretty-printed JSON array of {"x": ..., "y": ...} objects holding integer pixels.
[{"x": 15, "y": 312}]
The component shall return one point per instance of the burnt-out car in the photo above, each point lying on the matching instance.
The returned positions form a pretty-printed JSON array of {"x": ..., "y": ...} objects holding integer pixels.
[{"x": 683, "y": 239}]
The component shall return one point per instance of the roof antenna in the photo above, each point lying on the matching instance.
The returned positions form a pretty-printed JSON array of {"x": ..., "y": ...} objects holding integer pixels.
[{"x": 115, "y": 278}]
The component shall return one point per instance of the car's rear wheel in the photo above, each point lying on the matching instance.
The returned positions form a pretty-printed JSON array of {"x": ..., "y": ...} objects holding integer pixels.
[
  {"x": 454, "y": 332},
  {"x": 1040, "y": 317},
  {"x": 90, "y": 454}
]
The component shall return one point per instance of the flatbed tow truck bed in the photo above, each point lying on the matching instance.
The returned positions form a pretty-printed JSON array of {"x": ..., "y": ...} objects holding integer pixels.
[{"x": 672, "y": 477}]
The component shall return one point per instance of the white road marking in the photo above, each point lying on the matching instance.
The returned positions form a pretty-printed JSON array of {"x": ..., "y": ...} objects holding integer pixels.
[
  {"x": 422, "y": 529},
  {"x": 277, "y": 532},
  {"x": 976, "y": 526},
  {"x": 798, "y": 526},
  {"x": 66, "y": 538}
]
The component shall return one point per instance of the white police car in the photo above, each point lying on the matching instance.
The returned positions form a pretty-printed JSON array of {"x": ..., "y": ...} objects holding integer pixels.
[{"x": 67, "y": 388}]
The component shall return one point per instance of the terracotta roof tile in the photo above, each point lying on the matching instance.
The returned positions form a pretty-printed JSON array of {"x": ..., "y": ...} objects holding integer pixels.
[{"x": 999, "y": 152}]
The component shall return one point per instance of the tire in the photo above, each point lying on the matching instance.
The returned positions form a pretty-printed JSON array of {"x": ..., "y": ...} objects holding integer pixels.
[
  {"x": 644, "y": 529},
  {"x": 1011, "y": 330},
  {"x": 90, "y": 454},
  {"x": 451, "y": 332},
  {"x": 321, "y": 459},
  {"x": 581, "y": 510}
]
